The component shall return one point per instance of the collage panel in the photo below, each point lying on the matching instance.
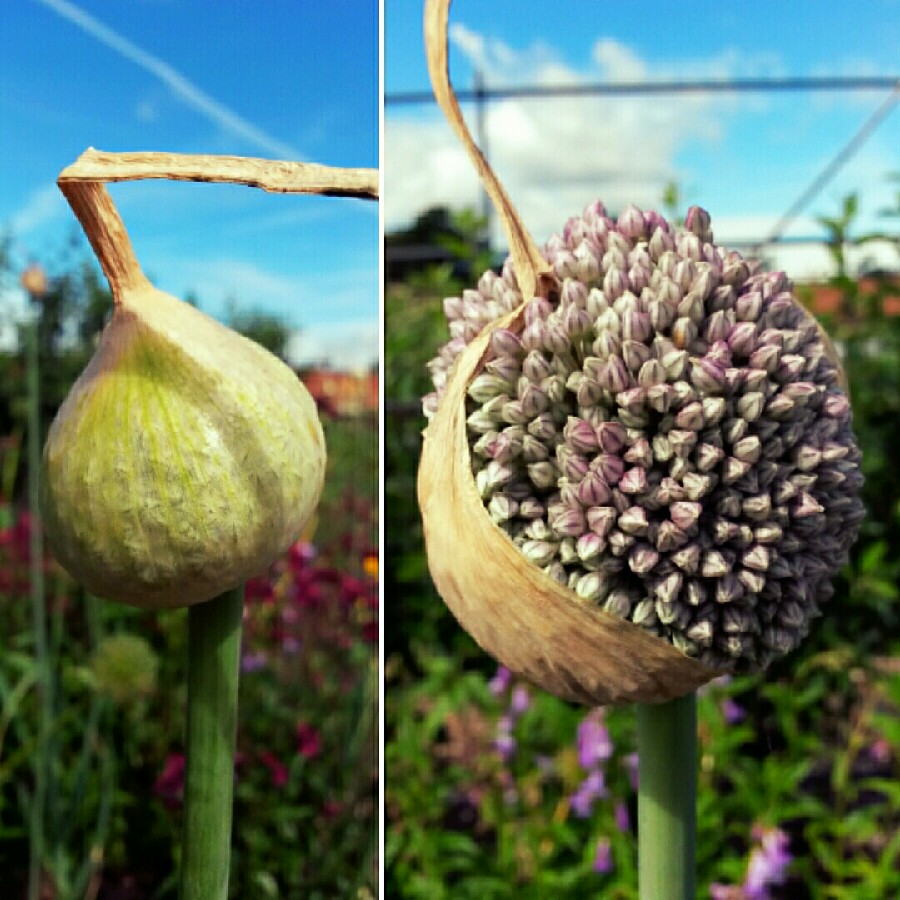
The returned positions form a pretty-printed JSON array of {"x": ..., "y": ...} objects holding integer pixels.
[
  {"x": 632, "y": 567},
  {"x": 189, "y": 502}
]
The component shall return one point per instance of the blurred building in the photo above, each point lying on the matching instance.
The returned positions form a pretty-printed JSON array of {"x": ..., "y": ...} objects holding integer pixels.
[
  {"x": 826, "y": 299},
  {"x": 342, "y": 393}
]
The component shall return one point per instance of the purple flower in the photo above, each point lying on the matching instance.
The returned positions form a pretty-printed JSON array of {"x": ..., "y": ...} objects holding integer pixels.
[
  {"x": 253, "y": 662},
  {"x": 520, "y": 700},
  {"x": 603, "y": 862},
  {"x": 499, "y": 684},
  {"x": 623, "y": 820},
  {"x": 504, "y": 742},
  {"x": 732, "y": 711},
  {"x": 630, "y": 761},
  {"x": 594, "y": 744},
  {"x": 505, "y": 745},
  {"x": 592, "y": 788},
  {"x": 768, "y": 864}
]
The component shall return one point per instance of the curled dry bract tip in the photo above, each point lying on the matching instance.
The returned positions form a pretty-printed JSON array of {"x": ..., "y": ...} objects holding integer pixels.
[{"x": 534, "y": 626}]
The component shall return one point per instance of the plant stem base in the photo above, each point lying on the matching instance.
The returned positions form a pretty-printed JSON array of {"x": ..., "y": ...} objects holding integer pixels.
[
  {"x": 667, "y": 791},
  {"x": 214, "y": 645}
]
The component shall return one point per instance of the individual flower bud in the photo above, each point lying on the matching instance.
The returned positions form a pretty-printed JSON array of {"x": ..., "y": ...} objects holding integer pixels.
[
  {"x": 486, "y": 386},
  {"x": 539, "y": 552},
  {"x": 634, "y": 521},
  {"x": 502, "y": 508},
  {"x": 631, "y": 222},
  {"x": 588, "y": 546},
  {"x": 614, "y": 377},
  {"x": 611, "y": 437},
  {"x": 580, "y": 435},
  {"x": 570, "y": 523},
  {"x": 615, "y": 283},
  {"x": 593, "y": 490},
  {"x": 697, "y": 221},
  {"x": 634, "y": 481}
]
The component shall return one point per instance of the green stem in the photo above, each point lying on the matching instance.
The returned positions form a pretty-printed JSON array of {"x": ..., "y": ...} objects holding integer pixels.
[
  {"x": 667, "y": 798},
  {"x": 214, "y": 645},
  {"x": 38, "y": 615}
]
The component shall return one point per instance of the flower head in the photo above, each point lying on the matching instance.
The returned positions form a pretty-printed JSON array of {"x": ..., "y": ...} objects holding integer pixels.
[{"x": 664, "y": 434}]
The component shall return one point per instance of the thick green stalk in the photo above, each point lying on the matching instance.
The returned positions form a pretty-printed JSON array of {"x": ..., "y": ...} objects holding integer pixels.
[
  {"x": 38, "y": 615},
  {"x": 667, "y": 798},
  {"x": 214, "y": 645}
]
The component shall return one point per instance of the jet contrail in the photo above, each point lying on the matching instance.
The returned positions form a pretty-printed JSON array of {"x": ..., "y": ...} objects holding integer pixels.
[{"x": 186, "y": 90}]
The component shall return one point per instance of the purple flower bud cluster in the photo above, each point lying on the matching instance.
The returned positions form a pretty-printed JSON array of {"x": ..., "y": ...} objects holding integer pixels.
[{"x": 665, "y": 435}]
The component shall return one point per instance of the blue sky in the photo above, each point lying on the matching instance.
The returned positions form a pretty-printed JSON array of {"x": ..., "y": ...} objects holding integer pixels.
[
  {"x": 281, "y": 79},
  {"x": 743, "y": 157}
]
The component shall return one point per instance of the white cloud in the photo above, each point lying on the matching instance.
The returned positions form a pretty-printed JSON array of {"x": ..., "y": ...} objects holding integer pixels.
[
  {"x": 617, "y": 63},
  {"x": 42, "y": 206},
  {"x": 560, "y": 154},
  {"x": 351, "y": 345}
]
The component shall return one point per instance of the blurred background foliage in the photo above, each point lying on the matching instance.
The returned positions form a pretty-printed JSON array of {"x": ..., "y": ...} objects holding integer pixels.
[
  {"x": 307, "y": 765},
  {"x": 491, "y": 791}
]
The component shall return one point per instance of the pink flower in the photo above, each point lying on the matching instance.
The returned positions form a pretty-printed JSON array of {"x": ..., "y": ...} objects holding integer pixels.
[
  {"x": 253, "y": 662},
  {"x": 259, "y": 590},
  {"x": 505, "y": 742},
  {"x": 309, "y": 741},
  {"x": 351, "y": 589},
  {"x": 276, "y": 767},
  {"x": 169, "y": 785},
  {"x": 300, "y": 555}
]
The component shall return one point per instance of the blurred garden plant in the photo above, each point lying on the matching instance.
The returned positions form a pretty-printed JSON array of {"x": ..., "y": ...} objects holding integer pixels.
[{"x": 306, "y": 759}]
